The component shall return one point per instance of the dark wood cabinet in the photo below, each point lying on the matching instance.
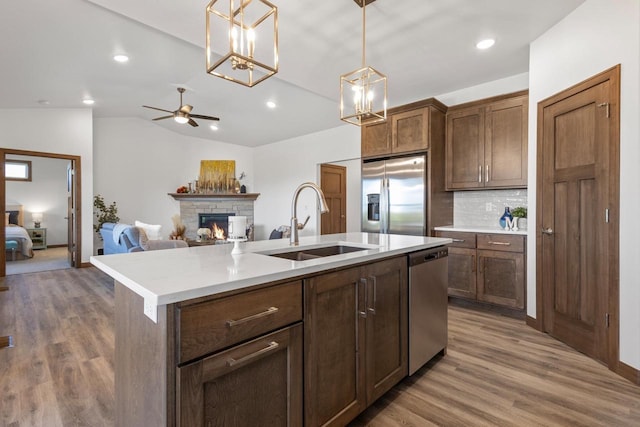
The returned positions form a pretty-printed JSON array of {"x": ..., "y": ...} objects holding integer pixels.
[
  {"x": 387, "y": 326},
  {"x": 465, "y": 148},
  {"x": 355, "y": 339},
  {"x": 486, "y": 143},
  {"x": 409, "y": 128},
  {"x": 487, "y": 267},
  {"x": 376, "y": 139},
  {"x": 501, "y": 278},
  {"x": 410, "y": 131},
  {"x": 462, "y": 272},
  {"x": 315, "y": 351},
  {"x": 256, "y": 383}
]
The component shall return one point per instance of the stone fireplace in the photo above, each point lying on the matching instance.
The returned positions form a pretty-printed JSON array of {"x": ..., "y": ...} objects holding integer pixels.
[{"x": 194, "y": 206}]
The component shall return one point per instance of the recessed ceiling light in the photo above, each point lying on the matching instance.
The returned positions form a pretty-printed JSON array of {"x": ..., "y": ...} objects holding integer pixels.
[
  {"x": 120, "y": 58},
  {"x": 88, "y": 101},
  {"x": 485, "y": 44},
  {"x": 271, "y": 104},
  {"x": 214, "y": 127}
]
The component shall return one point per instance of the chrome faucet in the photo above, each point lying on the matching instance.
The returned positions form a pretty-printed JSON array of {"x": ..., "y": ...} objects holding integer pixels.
[{"x": 294, "y": 209}]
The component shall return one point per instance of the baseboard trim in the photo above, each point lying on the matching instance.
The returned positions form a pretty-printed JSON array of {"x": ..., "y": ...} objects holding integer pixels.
[
  {"x": 483, "y": 306},
  {"x": 6, "y": 342},
  {"x": 628, "y": 372},
  {"x": 85, "y": 265},
  {"x": 533, "y": 323}
]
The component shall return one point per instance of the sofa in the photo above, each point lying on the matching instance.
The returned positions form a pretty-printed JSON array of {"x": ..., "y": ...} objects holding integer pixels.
[{"x": 132, "y": 239}]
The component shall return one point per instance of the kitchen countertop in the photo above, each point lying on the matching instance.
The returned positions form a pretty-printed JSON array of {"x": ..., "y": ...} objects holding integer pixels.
[
  {"x": 480, "y": 229},
  {"x": 174, "y": 275}
]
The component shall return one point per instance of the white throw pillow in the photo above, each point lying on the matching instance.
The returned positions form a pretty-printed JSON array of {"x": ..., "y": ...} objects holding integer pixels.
[{"x": 152, "y": 231}]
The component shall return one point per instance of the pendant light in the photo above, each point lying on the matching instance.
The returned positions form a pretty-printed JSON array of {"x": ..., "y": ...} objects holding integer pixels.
[
  {"x": 247, "y": 31},
  {"x": 363, "y": 92}
]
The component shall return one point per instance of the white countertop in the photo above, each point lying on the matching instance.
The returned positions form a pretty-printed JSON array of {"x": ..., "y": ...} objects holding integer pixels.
[
  {"x": 481, "y": 229},
  {"x": 174, "y": 275}
]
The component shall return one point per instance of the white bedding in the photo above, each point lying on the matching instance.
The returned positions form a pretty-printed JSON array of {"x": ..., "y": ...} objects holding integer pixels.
[{"x": 19, "y": 234}]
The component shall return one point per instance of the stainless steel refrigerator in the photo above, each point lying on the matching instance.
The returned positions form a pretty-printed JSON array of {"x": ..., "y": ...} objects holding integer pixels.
[{"x": 393, "y": 196}]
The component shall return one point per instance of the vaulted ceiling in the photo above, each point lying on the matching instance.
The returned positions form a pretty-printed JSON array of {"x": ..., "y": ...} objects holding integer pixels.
[{"x": 56, "y": 53}]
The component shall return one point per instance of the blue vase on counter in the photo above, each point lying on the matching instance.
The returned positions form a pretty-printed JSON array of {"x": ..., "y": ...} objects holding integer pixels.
[{"x": 505, "y": 215}]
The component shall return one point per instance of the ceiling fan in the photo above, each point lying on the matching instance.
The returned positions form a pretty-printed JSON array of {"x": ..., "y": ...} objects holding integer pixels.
[{"x": 183, "y": 114}]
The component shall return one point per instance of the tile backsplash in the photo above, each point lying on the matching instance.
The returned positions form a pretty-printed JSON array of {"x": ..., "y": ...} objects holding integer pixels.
[{"x": 485, "y": 207}]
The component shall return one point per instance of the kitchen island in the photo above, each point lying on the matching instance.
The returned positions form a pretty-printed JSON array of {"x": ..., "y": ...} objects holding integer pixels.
[{"x": 207, "y": 336}]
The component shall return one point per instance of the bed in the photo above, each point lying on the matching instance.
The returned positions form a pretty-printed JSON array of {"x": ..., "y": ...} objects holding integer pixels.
[{"x": 14, "y": 218}]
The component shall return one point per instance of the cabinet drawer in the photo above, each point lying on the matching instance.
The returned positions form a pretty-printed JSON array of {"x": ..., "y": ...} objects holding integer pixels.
[
  {"x": 501, "y": 242},
  {"x": 213, "y": 325},
  {"x": 460, "y": 239}
]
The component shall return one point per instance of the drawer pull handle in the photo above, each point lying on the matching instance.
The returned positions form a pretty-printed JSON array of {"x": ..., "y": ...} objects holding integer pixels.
[
  {"x": 458, "y": 240},
  {"x": 499, "y": 243},
  {"x": 267, "y": 312},
  {"x": 272, "y": 346}
]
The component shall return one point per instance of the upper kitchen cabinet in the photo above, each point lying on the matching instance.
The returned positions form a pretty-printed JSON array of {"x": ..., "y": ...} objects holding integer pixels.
[
  {"x": 487, "y": 143},
  {"x": 409, "y": 131},
  {"x": 409, "y": 128},
  {"x": 376, "y": 139}
]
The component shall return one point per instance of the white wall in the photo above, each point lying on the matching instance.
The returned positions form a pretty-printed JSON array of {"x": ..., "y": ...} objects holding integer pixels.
[
  {"x": 63, "y": 131},
  {"x": 486, "y": 90},
  {"x": 46, "y": 193},
  {"x": 596, "y": 36},
  {"x": 137, "y": 163},
  {"x": 281, "y": 167}
]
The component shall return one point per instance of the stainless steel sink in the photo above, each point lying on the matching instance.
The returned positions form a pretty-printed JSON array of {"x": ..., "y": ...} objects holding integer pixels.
[{"x": 312, "y": 253}]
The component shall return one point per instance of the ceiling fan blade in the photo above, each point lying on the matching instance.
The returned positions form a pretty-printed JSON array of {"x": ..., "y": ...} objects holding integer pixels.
[
  {"x": 159, "y": 109},
  {"x": 198, "y": 116},
  {"x": 193, "y": 123},
  {"x": 186, "y": 108},
  {"x": 163, "y": 117}
]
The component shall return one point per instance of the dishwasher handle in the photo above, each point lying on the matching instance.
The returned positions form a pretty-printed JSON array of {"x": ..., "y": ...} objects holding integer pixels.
[{"x": 428, "y": 255}]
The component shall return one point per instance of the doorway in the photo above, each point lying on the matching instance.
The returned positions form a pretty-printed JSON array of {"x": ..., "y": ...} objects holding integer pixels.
[
  {"x": 66, "y": 216},
  {"x": 333, "y": 182},
  {"x": 577, "y": 216}
]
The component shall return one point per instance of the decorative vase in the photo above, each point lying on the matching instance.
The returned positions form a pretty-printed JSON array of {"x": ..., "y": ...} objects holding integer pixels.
[
  {"x": 505, "y": 215},
  {"x": 243, "y": 189}
]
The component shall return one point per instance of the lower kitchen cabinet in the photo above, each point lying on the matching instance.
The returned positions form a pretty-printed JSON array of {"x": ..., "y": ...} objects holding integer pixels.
[
  {"x": 462, "y": 276},
  {"x": 258, "y": 383},
  {"x": 487, "y": 267},
  {"x": 501, "y": 278},
  {"x": 356, "y": 339}
]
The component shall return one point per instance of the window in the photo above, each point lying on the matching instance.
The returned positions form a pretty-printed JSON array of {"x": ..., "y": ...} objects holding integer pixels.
[{"x": 17, "y": 170}]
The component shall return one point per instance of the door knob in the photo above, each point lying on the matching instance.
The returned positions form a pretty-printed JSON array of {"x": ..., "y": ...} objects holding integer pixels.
[{"x": 548, "y": 231}]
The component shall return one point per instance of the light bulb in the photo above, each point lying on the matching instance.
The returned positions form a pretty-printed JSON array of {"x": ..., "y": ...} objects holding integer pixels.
[{"x": 180, "y": 118}]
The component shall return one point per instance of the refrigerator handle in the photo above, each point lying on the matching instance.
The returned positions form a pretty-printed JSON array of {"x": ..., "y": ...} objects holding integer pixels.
[
  {"x": 383, "y": 204},
  {"x": 385, "y": 207}
]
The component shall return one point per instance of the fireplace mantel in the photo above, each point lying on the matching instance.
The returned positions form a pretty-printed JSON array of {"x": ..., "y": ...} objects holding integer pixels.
[{"x": 193, "y": 197}]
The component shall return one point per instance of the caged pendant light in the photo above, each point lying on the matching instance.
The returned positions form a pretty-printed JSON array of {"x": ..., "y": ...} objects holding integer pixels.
[
  {"x": 363, "y": 92},
  {"x": 247, "y": 30}
]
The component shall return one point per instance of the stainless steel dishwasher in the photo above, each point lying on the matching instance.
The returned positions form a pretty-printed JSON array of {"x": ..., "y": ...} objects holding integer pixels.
[{"x": 428, "y": 300}]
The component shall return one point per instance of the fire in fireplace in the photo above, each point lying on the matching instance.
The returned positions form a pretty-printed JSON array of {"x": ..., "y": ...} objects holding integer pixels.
[{"x": 218, "y": 223}]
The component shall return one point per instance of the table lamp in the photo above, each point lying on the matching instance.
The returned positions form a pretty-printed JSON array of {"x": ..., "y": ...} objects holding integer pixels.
[{"x": 37, "y": 219}]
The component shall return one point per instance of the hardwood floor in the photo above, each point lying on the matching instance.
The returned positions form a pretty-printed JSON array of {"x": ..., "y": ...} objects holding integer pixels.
[
  {"x": 60, "y": 370},
  {"x": 497, "y": 372},
  {"x": 500, "y": 372}
]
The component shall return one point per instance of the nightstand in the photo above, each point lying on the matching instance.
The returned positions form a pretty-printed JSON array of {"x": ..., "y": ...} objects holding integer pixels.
[{"x": 38, "y": 237}]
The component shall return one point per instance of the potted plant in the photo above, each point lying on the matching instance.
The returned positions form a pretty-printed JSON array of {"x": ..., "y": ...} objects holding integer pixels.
[
  {"x": 103, "y": 213},
  {"x": 520, "y": 215}
]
